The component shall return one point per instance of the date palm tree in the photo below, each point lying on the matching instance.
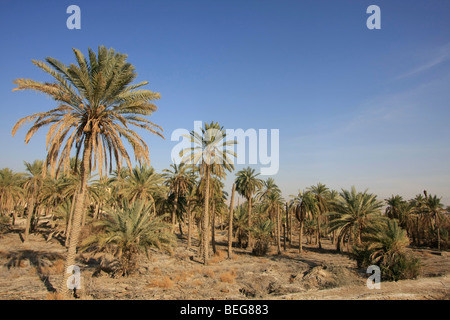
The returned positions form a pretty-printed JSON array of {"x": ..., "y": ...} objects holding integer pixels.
[
  {"x": 32, "y": 184},
  {"x": 434, "y": 209},
  {"x": 178, "y": 180},
  {"x": 305, "y": 205},
  {"x": 129, "y": 231},
  {"x": 96, "y": 105},
  {"x": 353, "y": 212},
  {"x": 143, "y": 183},
  {"x": 272, "y": 204},
  {"x": 321, "y": 192},
  {"x": 247, "y": 184},
  {"x": 210, "y": 152},
  {"x": 11, "y": 191}
]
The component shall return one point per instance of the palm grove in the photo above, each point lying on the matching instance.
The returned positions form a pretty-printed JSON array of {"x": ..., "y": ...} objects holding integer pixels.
[{"x": 96, "y": 203}]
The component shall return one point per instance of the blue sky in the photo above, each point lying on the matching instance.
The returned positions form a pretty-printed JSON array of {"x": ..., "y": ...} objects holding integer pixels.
[{"x": 354, "y": 106}]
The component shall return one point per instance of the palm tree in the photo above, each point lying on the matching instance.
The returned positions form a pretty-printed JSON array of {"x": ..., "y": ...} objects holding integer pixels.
[
  {"x": 402, "y": 211},
  {"x": 434, "y": 209},
  {"x": 178, "y": 180},
  {"x": 143, "y": 183},
  {"x": 268, "y": 187},
  {"x": 129, "y": 231},
  {"x": 352, "y": 213},
  {"x": 11, "y": 191},
  {"x": 271, "y": 204},
  {"x": 305, "y": 205},
  {"x": 247, "y": 184},
  {"x": 240, "y": 225},
  {"x": 211, "y": 154},
  {"x": 96, "y": 104},
  {"x": 262, "y": 231},
  {"x": 193, "y": 201},
  {"x": 321, "y": 193},
  {"x": 384, "y": 245},
  {"x": 32, "y": 185},
  {"x": 230, "y": 222}
]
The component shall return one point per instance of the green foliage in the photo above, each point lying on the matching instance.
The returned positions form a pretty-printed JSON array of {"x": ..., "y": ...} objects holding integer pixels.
[
  {"x": 129, "y": 231},
  {"x": 262, "y": 233},
  {"x": 240, "y": 225},
  {"x": 384, "y": 245}
]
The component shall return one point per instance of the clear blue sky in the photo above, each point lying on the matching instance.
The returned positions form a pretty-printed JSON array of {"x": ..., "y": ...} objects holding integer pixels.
[{"x": 354, "y": 106}]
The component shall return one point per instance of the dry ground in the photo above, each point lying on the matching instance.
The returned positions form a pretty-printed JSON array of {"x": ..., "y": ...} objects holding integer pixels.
[{"x": 33, "y": 270}]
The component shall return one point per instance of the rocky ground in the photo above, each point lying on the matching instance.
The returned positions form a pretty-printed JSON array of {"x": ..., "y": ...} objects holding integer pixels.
[{"x": 33, "y": 270}]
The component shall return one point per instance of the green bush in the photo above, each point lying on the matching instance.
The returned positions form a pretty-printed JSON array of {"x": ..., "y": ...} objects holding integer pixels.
[
  {"x": 262, "y": 233},
  {"x": 384, "y": 246}
]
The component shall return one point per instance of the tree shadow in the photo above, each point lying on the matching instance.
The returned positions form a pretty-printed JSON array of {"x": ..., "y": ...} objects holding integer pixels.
[{"x": 39, "y": 260}]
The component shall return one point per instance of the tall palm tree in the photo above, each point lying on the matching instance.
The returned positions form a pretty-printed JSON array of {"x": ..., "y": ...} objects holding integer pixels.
[
  {"x": 96, "y": 105},
  {"x": 434, "y": 209},
  {"x": 272, "y": 203},
  {"x": 32, "y": 185},
  {"x": 353, "y": 212},
  {"x": 178, "y": 180},
  {"x": 247, "y": 184},
  {"x": 211, "y": 154},
  {"x": 305, "y": 205},
  {"x": 321, "y": 193},
  {"x": 268, "y": 187},
  {"x": 399, "y": 209}
]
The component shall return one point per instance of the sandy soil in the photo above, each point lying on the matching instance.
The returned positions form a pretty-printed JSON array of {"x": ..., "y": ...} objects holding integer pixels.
[{"x": 33, "y": 270}]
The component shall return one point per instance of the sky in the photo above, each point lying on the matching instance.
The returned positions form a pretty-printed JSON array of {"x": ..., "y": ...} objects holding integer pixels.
[{"x": 353, "y": 106}]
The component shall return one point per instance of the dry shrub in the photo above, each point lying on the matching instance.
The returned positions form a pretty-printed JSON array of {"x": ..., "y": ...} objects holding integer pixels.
[
  {"x": 228, "y": 277},
  {"x": 219, "y": 256},
  {"x": 224, "y": 290},
  {"x": 181, "y": 276},
  {"x": 164, "y": 283}
]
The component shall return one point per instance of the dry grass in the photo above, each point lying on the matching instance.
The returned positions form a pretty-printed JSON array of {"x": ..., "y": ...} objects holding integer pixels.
[
  {"x": 219, "y": 256},
  {"x": 228, "y": 276},
  {"x": 54, "y": 296},
  {"x": 209, "y": 273},
  {"x": 164, "y": 283},
  {"x": 156, "y": 271},
  {"x": 182, "y": 276}
]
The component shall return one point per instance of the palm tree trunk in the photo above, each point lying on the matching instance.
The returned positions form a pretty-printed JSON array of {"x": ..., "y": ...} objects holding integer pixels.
[
  {"x": 230, "y": 224},
  {"x": 278, "y": 231},
  {"x": 250, "y": 240},
  {"x": 438, "y": 231},
  {"x": 290, "y": 229},
  {"x": 189, "y": 227},
  {"x": 213, "y": 226},
  {"x": 174, "y": 211},
  {"x": 69, "y": 220},
  {"x": 286, "y": 225},
  {"x": 30, "y": 213},
  {"x": 77, "y": 216},
  {"x": 318, "y": 232},
  {"x": 300, "y": 238},
  {"x": 205, "y": 218}
]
